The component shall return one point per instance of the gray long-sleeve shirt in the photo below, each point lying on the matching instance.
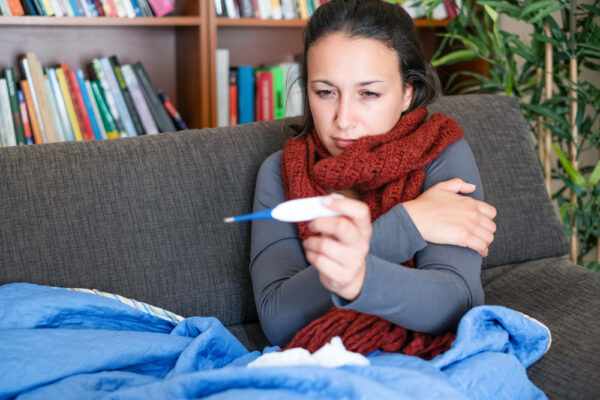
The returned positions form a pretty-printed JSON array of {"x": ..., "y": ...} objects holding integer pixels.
[{"x": 429, "y": 298}]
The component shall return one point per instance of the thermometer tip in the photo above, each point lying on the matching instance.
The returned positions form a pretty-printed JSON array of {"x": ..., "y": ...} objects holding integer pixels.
[{"x": 229, "y": 219}]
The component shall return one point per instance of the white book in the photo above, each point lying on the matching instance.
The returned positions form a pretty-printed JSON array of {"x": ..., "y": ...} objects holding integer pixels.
[
  {"x": 129, "y": 9},
  {"x": 222, "y": 78},
  {"x": 5, "y": 9},
  {"x": 59, "y": 10},
  {"x": 36, "y": 104},
  {"x": 232, "y": 10},
  {"x": 63, "y": 114},
  {"x": 264, "y": 9},
  {"x": 120, "y": 8},
  {"x": 276, "y": 12},
  {"x": 294, "y": 97},
  {"x": 7, "y": 129},
  {"x": 88, "y": 89},
  {"x": 288, "y": 8},
  {"x": 139, "y": 101},
  {"x": 60, "y": 135},
  {"x": 118, "y": 96},
  {"x": 67, "y": 8}
]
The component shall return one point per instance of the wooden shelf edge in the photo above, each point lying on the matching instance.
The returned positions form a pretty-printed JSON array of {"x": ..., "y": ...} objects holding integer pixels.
[
  {"x": 299, "y": 23},
  {"x": 257, "y": 22},
  {"x": 30, "y": 20}
]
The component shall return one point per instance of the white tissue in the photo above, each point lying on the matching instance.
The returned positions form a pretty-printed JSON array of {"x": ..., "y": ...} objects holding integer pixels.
[{"x": 331, "y": 355}]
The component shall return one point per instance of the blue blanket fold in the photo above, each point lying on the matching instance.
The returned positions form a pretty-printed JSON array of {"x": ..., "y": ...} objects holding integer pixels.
[{"x": 56, "y": 343}]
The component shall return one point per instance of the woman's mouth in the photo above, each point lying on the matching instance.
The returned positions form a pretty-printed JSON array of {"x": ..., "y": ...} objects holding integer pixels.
[{"x": 343, "y": 143}]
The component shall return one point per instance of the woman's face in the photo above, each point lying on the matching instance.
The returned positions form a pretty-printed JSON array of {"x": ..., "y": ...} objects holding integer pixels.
[{"x": 355, "y": 89}]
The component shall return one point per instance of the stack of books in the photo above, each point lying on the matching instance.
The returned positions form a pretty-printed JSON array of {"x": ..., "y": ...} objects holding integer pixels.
[
  {"x": 60, "y": 104},
  {"x": 87, "y": 8},
  {"x": 247, "y": 94},
  {"x": 267, "y": 9}
]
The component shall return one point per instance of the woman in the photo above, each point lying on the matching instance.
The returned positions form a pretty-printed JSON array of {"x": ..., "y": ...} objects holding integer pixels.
[{"x": 366, "y": 136}]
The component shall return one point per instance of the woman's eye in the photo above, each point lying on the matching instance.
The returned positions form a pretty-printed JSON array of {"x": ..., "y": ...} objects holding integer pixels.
[
  {"x": 324, "y": 93},
  {"x": 369, "y": 94}
]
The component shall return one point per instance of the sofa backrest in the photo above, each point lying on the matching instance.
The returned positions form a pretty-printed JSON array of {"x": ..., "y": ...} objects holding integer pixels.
[{"x": 143, "y": 217}]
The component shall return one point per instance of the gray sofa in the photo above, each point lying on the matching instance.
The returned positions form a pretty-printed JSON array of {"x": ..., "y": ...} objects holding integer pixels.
[{"x": 143, "y": 217}]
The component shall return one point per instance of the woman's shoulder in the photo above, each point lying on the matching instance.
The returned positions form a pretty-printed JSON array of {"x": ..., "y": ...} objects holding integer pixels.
[{"x": 269, "y": 184}]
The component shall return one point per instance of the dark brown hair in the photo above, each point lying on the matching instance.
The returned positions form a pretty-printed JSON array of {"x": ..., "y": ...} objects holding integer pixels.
[{"x": 372, "y": 19}]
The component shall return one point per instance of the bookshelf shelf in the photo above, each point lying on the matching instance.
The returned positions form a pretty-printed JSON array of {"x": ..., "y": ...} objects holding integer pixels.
[
  {"x": 100, "y": 21},
  {"x": 256, "y": 22}
]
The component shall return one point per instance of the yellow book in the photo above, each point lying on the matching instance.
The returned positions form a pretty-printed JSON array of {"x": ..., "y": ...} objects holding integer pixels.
[
  {"x": 62, "y": 82},
  {"x": 303, "y": 9},
  {"x": 47, "y": 4}
]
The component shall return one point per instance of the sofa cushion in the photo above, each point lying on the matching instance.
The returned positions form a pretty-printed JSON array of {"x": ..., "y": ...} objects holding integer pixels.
[
  {"x": 527, "y": 225},
  {"x": 565, "y": 298}
]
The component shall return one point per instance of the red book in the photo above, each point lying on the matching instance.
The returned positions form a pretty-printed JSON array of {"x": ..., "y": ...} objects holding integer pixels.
[
  {"x": 233, "y": 97},
  {"x": 98, "y": 5},
  {"x": 264, "y": 96},
  {"x": 16, "y": 9},
  {"x": 451, "y": 8},
  {"x": 82, "y": 116}
]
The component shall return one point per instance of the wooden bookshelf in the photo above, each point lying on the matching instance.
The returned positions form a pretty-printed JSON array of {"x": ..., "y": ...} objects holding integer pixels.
[{"x": 178, "y": 51}]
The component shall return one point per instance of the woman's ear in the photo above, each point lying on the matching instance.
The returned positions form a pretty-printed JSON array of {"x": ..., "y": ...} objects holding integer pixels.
[{"x": 407, "y": 97}]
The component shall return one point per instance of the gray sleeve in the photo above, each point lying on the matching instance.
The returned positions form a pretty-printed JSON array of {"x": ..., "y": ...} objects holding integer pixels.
[{"x": 446, "y": 281}]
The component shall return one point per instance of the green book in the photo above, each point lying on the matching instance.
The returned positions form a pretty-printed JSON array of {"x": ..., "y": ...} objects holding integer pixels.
[
  {"x": 278, "y": 92},
  {"x": 9, "y": 74},
  {"x": 107, "y": 119}
]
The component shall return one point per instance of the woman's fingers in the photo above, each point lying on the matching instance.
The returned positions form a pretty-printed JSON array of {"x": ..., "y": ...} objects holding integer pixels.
[{"x": 355, "y": 210}]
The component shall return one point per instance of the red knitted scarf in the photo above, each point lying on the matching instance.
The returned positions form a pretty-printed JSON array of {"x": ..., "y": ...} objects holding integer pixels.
[{"x": 387, "y": 169}]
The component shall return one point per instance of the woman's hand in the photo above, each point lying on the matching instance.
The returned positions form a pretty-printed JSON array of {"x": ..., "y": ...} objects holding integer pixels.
[
  {"x": 340, "y": 246},
  {"x": 443, "y": 216}
]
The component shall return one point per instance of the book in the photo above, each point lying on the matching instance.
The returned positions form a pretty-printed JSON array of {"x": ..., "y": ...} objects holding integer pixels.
[
  {"x": 63, "y": 114},
  {"x": 139, "y": 100},
  {"x": 16, "y": 9},
  {"x": 278, "y": 92},
  {"x": 4, "y": 8},
  {"x": 79, "y": 107},
  {"x": 175, "y": 116},
  {"x": 118, "y": 97},
  {"x": 276, "y": 12},
  {"x": 451, "y": 9},
  {"x": 232, "y": 9},
  {"x": 91, "y": 117},
  {"x": 245, "y": 94},
  {"x": 116, "y": 67},
  {"x": 220, "y": 8},
  {"x": 108, "y": 97},
  {"x": 233, "y": 96},
  {"x": 161, "y": 7},
  {"x": 264, "y": 9},
  {"x": 58, "y": 8},
  {"x": 288, "y": 9},
  {"x": 9, "y": 75},
  {"x": 25, "y": 117},
  {"x": 34, "y": 101},
  {"x": 107, "y": 119},
  {"x": 30, "y": 7},
  {"x": 264, "y": 95},
  {"x": 60, "y": 135},
  {"x": 33, "y": 115},
  {"x": 160, "y": 115},
  {"x": 222, "y": 82},
  {"x": 246, "y": 8},
  {"x": 64, "y": 88},
  {"x": 88, "y": 88},
  {"x": 7, "y": 130}
]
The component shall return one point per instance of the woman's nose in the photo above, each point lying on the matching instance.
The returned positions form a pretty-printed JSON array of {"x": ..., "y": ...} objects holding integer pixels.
[{"x": 344, "y": 118}]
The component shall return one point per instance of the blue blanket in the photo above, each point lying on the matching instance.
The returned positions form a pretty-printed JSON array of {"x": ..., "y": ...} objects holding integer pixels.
[{"x": 56, "y": 343}]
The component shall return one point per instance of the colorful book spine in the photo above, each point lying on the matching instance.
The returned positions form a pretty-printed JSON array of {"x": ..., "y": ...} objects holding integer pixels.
[
  {"x": 118, "y": 97},
  {"x": 25, "y": 117},
  {"x": 64, "y": 87},
  {"x": 63, "y": 114},
  {"x": 233, "y": 96},
  {"x": 108, "y": 97},
  {"x": 37, "y": 74},
  {"x": 7, "y": 131},
  {"x": 82, "y": 116},
  {"x": 88, "y": 105},
  {"x": 16, "y": 9},
  {"x": 33, "y": 117},
  {"x": 116, "y": 67},
  {"x": 107, "y": 119},
  {"x": 139, "y": 100},
  {"x": 161, "y": 7},
  {"x": 88, "y": 88},
  {"x": 175, "y": 116},
  {"x": 160, "y": 115},
  {"x": 39, "y": 130},
  {"x": 222, "y": 83},
  {"x": 264, "y": 95},
  {"x": 245, "y": 94},
  {"x": 60, "y": 136},
  {"x": 9, "y": 74},
  {"x": 278, "y": 92}
]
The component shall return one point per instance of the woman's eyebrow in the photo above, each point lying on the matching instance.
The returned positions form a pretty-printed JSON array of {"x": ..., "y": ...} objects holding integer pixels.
[
  {"x": 366, "y": 83},
  {"x": 326, "y": 82}
]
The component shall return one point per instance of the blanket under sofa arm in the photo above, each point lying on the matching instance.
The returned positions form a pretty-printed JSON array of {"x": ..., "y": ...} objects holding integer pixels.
[{"x": 142, "y": 217}]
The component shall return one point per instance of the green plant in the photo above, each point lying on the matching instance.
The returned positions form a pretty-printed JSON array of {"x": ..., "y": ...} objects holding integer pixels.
[{"x": 544, "y": 72}]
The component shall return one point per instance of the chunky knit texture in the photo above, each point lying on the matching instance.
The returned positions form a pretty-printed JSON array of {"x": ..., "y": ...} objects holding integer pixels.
[{"x": 386, "y": 169}]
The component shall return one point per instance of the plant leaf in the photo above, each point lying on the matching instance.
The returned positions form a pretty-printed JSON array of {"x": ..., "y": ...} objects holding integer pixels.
[
  {"x": 595, "y": 176},
  {"x": 573, "y": 173}
]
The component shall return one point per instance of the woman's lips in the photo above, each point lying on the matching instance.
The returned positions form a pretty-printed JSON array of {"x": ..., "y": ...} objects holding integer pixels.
[{"x": 343, "y": 143}]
